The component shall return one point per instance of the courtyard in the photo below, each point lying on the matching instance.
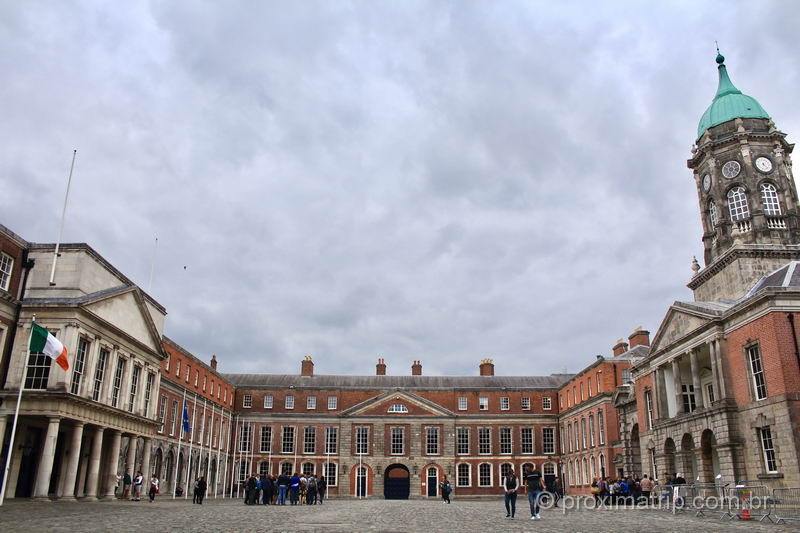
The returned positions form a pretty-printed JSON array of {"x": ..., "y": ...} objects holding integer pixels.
[{"x": 344, "y": 515}]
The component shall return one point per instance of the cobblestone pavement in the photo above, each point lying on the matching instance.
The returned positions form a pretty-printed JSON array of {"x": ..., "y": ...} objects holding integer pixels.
[{"x": 376, "y": 515}]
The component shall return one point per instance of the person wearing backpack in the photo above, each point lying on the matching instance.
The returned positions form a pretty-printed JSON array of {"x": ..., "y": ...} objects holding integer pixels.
[
  {"x": 311, "y": 490},
  {"x": 445, "y": 489}
]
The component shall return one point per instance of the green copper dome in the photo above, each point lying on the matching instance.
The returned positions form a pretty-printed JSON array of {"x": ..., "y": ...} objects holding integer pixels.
[{"x": 729, "y": 103}]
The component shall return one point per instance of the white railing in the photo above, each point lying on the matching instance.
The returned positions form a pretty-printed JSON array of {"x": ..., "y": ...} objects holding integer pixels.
[
  {"x": 743, "y": 226},
  {"x": 776, "y": 223}
]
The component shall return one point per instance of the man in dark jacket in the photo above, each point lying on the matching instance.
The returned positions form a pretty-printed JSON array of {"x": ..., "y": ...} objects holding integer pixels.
[
  {"x": 266, "y": 490},
  {"x": 322, "y": 488},
  {"x": 250, "y": 490},
  {"x": 201, "y": 490},
  {"x": 283, "y": 486}
]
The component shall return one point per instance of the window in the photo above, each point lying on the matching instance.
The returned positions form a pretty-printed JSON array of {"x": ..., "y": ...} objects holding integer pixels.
[
  {"x": 591, "y": 430},
  {"x": 247, "y": 401},
  {"x": 178, "y": 367},
  {"x": 505, "y": 440},
  {"x": 577, "y": 437},
  {"x": 462, "y": 403},
  {"x": 307, "y": 469},
  {"x": 484, "y": 441},
  {"x": 569, "y": 399},
  {"x": 174, "y": 420},
  {"x": 560, "y": 401},
  {"x": 525, "y": 403},
  {"x": 287, "y": 440},
  {"x": 204, "y": 383},
  {"x": 268, "y": 401},
  {"x": 266, "y": 439},
  {"x": 188, "y": 372},
  {"x": 225, "y": 395},
  {"x": 398, "y": 408},
  {"x": 768, "y": 449},
  {"x": 311, "y": 402},
  {"x": 505, "y": 468},
  {"x": 463, "y": 475},
  {"x": 6, "y": 265},
  {"x": 209, "y": 430},
  {"x": 483, "y": 404},
  {"x": 398, "y": 435},
  {"x": 484, "y": 475},
  {"x": 330, "y": 474},
  {"x": 710, "y": 393},
  {"x": 117, "y": 381},
  {"x": 286, "y": 468},
  {"x": 737, "y": 204},
  {"x": 78, "y": 367},
  {"x": 38, "y": 371},
  {"x": 330, "y": 440},
  {"x": 583, "y": 432},
  {"x": 689, "y": 403},
  {"x": 310, "y": 440},
  {"x": 137, "y": 370},
  {"x": 601, "y": 430},
  {"x": 362, "y": 440},
  {"x": 504, "y": 403},
  {"x": 432, "y": 441},
  {"x": 526, "y": 439},
  {"x": 219, "y": 391},
  {"x": 99, "y": 374},
  {"x": 569, "y": 436},
  {"x": 333, "y": 402},
  {"x": 597, "y": 379},
  {"x": 581, "y": 390},
  {"x": 148, "y": 390},
  {"x": 626, "y": 377},
  {"x": 712, "y": 215},
  {"x": 547, "y": 403},
  {"x": 263, "y": 468},
  {"x": 244, "y": 438},
  {"x": 289, "y": 402},
  {"x": 162, "y": 413},
  {"x": 648, "y": 404},
  {"x": 589, "y": 386},
  {"x": 462, "y": 441},
  {"x": 562, "y": 439},
  {"x": 757, "y": 372},
  {"x": 769, "y": 197},
  {"x": 196, "y": 378}
]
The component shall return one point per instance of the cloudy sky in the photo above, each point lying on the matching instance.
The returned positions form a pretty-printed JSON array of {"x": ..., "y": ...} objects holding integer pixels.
[{"x": 442, "y": 181}]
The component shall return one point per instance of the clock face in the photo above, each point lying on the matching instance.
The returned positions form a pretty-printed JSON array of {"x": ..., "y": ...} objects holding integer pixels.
[
  {"x": 731, "y": 169},
  {"x": 707, "y": 182},
  {"x": 763, "y": 164}
]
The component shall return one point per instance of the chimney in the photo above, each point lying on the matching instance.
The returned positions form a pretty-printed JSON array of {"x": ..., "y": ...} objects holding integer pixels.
[
  {"x": 380, "y": 368},
  {"x": 487, "y": 367},
  {"x": 639, "y": 337},
  {"x": 307, "y": 366},
  {"x": 213, "y": 362},
  {"x": 416, "y": 369},
  {"x": 620, "y": 348}
]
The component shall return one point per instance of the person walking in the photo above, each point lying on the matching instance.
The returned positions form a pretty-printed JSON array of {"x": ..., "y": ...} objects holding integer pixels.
[
  {"x": 558, "y": 491},
  {"x": 283, "y": 486},
  {"x": 322, "y": 488},
  {"x": 534, "y": 487},
  {"x": 137, "y": 487},
  {"x": 202, "y": 486},
  {"x": 510, "y": 486},
  {"x": 445, "y": 488},
  {"x": 126, "y": 485},
  {"x": 153, "y": 489},
  {"x": 311, "y": 490},
  {"x": 252, "y": 489},
  {"x": 647, "y": 487},
  {"x": 194, "y": 490}
]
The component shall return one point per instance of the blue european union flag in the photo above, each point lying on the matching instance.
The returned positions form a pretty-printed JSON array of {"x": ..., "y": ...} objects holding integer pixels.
[{"x": 186, "y": 428}]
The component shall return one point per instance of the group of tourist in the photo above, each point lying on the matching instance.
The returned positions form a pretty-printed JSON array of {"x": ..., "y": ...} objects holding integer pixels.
[
  {"x": 271, "y": 489},
  {"x": 623, "y": 490},
  {"x": 136, "y": 483}
]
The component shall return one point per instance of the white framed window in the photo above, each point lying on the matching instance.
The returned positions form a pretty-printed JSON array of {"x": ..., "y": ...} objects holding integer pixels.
[
  {"x": 289, "y": 402},
  {"x": 310, "y": 440},
  {"x": 286, "y": 468},
  {"x": 99, "y": 374},
  {"x": 266, "y": 439},
  {"x": 463, "y": 475},
  {"x": 601, "y": 428},
  {"x": 196, "y": 378},
  {"x": 78, "y": 366},
  {"x": 6, "y": 266},
  {"x": 333, "y": 402},
  {"x": 484, "y": 475},
  {"x": 505, "y": 440},
  {"x": 432, "y": 441},
  {"x": 548, "y": 441},
  {"x": 311, "y": 402},
  {"x": 597, "y": 379},
  {"x": 484, "y": 441},
  {"x": 162, "y": 413},
  {"x": 737, "y": 204},
  {"x": 268, "y": 401},
  {"x": 547, "y": 403},
  {"x": 569, "y": 399},
  {"x": 397, "y": 408},
  {"x": 462, "y": 441},
  {"x": 577, "y": 436},
  {"x": 247, "y": 401},
  {"x": 205, "y": 380},
  {"x": 178, "y": 368},
  {"x": 591, "y": 430},
  {"x": 769, "y": 198},
  {"x": 148, "y": 391},
  {"x": 563, "y": 450},
  {"x": 331, "y": 474},
  {"x": 768, "y": 449},
  {"x": 462, "y": 403},
  {"x": 526, "y": 440},
  {"x": 263, "y": 468},
  {"x": 583, "y": 432},
  {"x": 244, "y": 438},
  {"x": 504, "y": 403},
  {"x": 525, "y": 403},
  {"x": 549, "y": 469},
  {"x": 331, "y": 440},
  {"x": 483, "y": 404},
  {"x": 626, "y": 377},
  {"x": 188, "y": 372},
  {"x": 589, "y": 386},
  {"x": 569, "y": 436},
  {"x": 757, "y": 372},
  {"x": 287, "y": 439},
  {"x": 117, "y": 385},
  {"x": 225, "y": 395},
  {"x": 398, "y": 441},
  {"x": 174, "y": 421},
  {"x": 581, "y": 390},
  {"x": 362, "y": 440},
  {"x": 308, "y": 469},
  {"x": 505, "y": 468},
  {"x": 712, "y": 215},
  {"x": 709, "y": 393},
  {"x": 689, "y": 401},
  {"x": 560, "y": 401},
  {"x": 648, "y": 404}
]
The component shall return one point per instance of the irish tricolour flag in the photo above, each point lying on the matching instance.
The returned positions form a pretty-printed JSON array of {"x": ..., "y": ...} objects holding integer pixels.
[{"x": 42, "y": 341}]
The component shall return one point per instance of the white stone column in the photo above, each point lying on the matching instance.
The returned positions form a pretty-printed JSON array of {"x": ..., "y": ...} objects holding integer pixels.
[
  {"x": 92, "y": 481},
  {"x": 113, "y": 465},
  {"x": 146, "y": 450},
  {"x": 676, "y": 376},
  {"x": 45, "y": 469},
  {"x": 720, "y": 368},
  {"x": 712, "y": 353},
  {"x": 72, "y": 462},
  {"x": 698, "y": 391},
  {"x": 83, "y": 466},
  {"x": 130, "y": 462}
]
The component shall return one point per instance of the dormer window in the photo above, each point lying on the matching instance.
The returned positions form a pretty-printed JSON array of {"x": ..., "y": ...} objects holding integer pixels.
[{"x": 398, "y": 408}]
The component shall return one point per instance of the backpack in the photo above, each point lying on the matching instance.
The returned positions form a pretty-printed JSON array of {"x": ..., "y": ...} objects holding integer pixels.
[{"x": 312, "y": 483}]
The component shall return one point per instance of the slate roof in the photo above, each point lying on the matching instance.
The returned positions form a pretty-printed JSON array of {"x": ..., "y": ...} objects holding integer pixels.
[
  {"x": 329, "y": 381},
  {"x": 786, "y": 276}
]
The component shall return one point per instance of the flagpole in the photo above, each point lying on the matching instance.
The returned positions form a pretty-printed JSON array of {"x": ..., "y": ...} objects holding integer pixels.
[
  {"x": 296, "y": 440},
  {"x": 61, "y": 227},
  {"x": 191, "y": 434},
  {"x": 219, "y": 434},
  {"x": 202, "y": 435},
  {"x": 16, "y": 414},
  {"x": 227, "y": 451},
  {"x": 180, "y": 439},
  {"x": 209, "y": 435}
]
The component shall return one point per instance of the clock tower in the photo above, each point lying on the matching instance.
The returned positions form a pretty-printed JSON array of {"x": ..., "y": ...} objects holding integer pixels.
[{"x": 748, "y": 200}]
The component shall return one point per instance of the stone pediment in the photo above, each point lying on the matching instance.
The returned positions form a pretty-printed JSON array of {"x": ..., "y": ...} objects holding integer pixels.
[
  {"x": 382, "y": 404},
  {"x": 126, "y": 310},
  {"x": 680, "y": 320}
]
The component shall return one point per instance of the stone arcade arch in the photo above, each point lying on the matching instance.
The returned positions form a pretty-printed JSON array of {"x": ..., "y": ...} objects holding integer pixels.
[
  {"x": 397, "y": 482},
  {"x": 689, "y": 461},
  {"x": 669, "y": 458},
  {"x": 636, "y": 451},
  {"x": 709, "y": 461}
]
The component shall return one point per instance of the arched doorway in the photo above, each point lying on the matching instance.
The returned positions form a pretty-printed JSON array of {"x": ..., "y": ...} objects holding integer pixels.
[
  {"x": 636, "y": 452},
  {"x": 361, "y": 481},
  {"x": 710, "y": 460},
  {"x": 432, "y": 481},
  {"x": 669, "y": 458},
  {"x": 396, "y": 482},
  {"x": 156, "y": 465},
  {"x": 689, "y": 460}
]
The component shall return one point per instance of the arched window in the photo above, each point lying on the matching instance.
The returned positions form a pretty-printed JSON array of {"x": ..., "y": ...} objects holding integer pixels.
[
  {"x": 505, "y": 468},
  {"x": 572, "y": 480},
  {"x": 398, "y": 408},
  {"x": 263, "y": 468},
  {"x": 769, "y": 197},
  {"x": 463, "y": 477},
  {"x": 484, "y": 475},
  {"x": 286, "y": 468},
  {"x": 308, "y": 469},
  {"x": 712, "y": 215},
  {"x": 737, "y": 204},
  {"x": 569, "y": 435},
  {"x": 593, "y": 466},
  {"x": 549, "y": 469},
  {"x": 585, "y": 473}
]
